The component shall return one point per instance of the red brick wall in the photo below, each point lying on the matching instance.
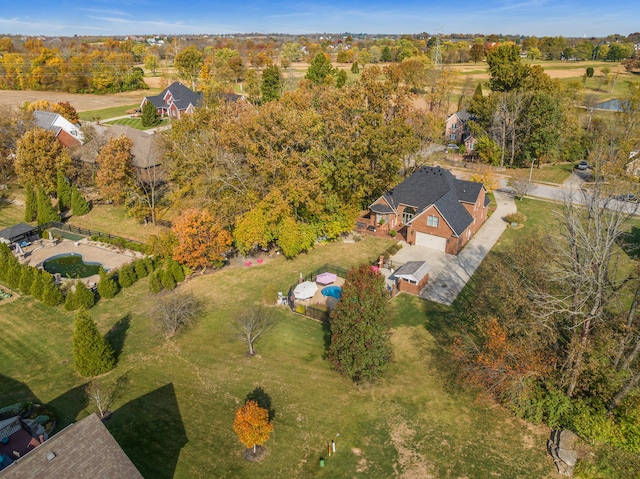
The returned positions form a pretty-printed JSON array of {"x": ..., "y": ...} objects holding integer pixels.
[{"x": 410, "y": 288}]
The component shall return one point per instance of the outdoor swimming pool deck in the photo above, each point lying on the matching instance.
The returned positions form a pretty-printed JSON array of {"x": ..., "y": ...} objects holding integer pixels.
[
  {"x": 319, "y": 299},
  {"x": 91, "y": 251}
]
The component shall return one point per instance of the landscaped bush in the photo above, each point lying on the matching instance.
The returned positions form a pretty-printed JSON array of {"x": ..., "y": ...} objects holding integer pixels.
[
  {"x": 27, "y": 274},
  {"x": 168, "y": 282},
  {"x": 120, "y": 243},
  {"x": 516, "y": 217},
  {"x": 51, "y": 294},
  {"x": 140, "y": 269},
  {"x": 176, "y": 270},
  {"x": 393, "y": 233},
  {"x": 37, "y": 286},
  {"x": 107, "y": 287},
  {"x": 126, "y": 276},
  {"x": 155, "y": 283}
]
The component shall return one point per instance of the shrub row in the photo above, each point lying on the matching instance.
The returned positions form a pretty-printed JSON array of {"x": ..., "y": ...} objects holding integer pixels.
[
  {"x": 166, "y": 277},
  {"x": 121, "y": 243}
]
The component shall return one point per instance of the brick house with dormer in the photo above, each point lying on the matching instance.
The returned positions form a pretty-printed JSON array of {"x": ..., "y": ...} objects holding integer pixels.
[
  {"x": 174, "y": 101},
  {"x": 431, "y": 208},
  {"x": 457, "y": 130}
]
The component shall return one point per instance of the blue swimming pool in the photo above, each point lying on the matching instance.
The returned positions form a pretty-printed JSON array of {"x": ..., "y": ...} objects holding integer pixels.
[{"x": 333, "y": 291}]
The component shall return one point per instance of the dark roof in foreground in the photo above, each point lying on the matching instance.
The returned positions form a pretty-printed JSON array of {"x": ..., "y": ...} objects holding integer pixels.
[
  {"x": 16, "y": 230},
  {"x": 84, "y": 450}
]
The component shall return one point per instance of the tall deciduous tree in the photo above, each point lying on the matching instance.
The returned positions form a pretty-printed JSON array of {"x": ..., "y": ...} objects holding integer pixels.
[
  {"x": 189, "y": 63},
  {"x": 92, "y": 353},
  {"x": 506, "y": 70},
  {"x": 252, "y": 324},
  {"x": 201, "y": 241},
  {"x": 39, "y": 156},
  {"x": 252, "y": 425},
  {"x": 115, "y": 174},
  {"x": 360, "y": 338}
]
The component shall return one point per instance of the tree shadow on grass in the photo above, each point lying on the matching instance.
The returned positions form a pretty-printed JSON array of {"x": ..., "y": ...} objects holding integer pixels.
[
  {"x": 326, "y": 336},
  {"x": 118, "y": 333},
  {"x": 67, "y": 406},
  {"x": 151, "y": 432},
  {"x": 630, "y": 242},
  {"x": 263, "y": 399}
]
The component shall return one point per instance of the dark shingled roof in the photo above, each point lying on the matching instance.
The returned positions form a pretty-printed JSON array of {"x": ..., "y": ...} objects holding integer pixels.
[
  {"x": 182, "y": 97},
  {"x": 82, "y": 450},
  {"x": 435, "y": 186},
  {"x": 45, "y": 120},
  {"x": 381, "y": 208}
]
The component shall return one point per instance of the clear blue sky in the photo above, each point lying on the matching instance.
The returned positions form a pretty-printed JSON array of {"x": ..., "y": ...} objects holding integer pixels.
[{"x": 570, "y": 18}]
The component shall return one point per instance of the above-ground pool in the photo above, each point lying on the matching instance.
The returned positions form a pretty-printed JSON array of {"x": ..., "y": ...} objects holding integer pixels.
[
  {"x": 70, "y": 265},
  {"x": 333, "y": 291}
]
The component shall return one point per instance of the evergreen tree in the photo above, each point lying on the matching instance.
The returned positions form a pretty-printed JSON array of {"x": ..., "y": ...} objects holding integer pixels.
[
  {"x": 176, "y": 270},
  {"x": 140, "y": 269},
  {"x": 37, "y": 286},
  {"x": 107, "y": 287},
  {"x": 27, "y": 275},
  {"x": 79, "y": 206},
  {"x": 63, "y": 190},
  {"x": 155, "y": 283},
  {"x": 80, "y": 297},
  {"x": 150, "y": 115},
  {"x": 271, "y": 83},
  {"x": 51, "y": 294},
  {"x": 92, "y": 353},
  {"x": 46, "y": 212},
  {"x": 341, "y": 78},
  {"x": 30, "y": 203},
  {"x": 355, "y": 69},
  {"x": 12, "y": 278},
  {"x": 126, "y": 276},
  {"x": 319, "y": 69},
  {"x": 386, "y": 54},
  {"x": 167, "y": 280},
  {"x": 360, "y": 338}
]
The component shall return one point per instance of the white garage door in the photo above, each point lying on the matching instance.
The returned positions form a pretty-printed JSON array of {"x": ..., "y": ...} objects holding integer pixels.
[{"x": 430, "y": 241}]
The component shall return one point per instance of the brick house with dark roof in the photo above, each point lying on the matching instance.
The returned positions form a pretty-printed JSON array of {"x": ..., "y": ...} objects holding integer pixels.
[
  {"x": 174, "y": 101},
  {"x": 431, "y": 208},
  {"x": 457, "y": 130}
]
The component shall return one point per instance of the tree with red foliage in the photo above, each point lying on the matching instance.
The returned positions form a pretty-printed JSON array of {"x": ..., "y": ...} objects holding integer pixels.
[{"x": 201, "y": 241}]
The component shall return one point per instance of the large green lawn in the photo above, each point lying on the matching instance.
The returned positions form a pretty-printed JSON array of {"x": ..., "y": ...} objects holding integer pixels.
[{"x": 175, "y": 418}]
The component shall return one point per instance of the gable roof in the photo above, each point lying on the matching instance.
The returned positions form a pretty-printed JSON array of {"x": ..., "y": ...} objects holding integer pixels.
[
  {"x": 180, "y": 95},
  {"x": 463, "y": 115},
  {"x": 82, "y": 450},
  {"x": 413, "y": 270},
  {"x": 438, "y": 187},
  {"x": 146, "y": 149},
  {"x": 56, "y": 123}
]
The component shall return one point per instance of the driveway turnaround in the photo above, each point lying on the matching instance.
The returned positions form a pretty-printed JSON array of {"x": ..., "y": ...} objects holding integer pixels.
[{"x": 446, "y": 282}]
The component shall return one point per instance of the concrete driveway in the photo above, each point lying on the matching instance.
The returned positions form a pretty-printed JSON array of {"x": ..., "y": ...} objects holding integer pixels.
[{"x": 449, "y": 274}]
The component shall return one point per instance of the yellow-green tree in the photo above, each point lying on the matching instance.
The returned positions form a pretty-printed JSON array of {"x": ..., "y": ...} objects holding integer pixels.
[{"x": 39, "y": 156}]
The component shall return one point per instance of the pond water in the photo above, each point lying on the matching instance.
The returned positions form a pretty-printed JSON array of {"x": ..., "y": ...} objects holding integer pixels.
[
  {"x": 611, "y": 105},
  {"x": 333, "y": 291},
  {"x": 70, "y": 265}
]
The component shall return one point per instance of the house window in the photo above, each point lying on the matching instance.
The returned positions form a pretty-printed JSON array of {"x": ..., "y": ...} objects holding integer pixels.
[
  {"x": 453, "y": 137},
  {"x": 470, "y": 146},
  {"x": 454, "y": 126},
  {"x": 432, "y": 221},
  {"x": 407, "y": 215}
]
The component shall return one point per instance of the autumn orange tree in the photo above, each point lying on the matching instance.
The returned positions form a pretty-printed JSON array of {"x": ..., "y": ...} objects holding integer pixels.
[
  {"x": 39, "y": 156},
  {"x": 252, "y": 425},
  {"x": 115, "y": 174},
  {"x": 202, "y": 242}
]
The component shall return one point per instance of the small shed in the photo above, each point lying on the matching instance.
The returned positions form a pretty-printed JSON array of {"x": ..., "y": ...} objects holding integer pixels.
[
  {"x": 17, "y": 233},
  {"x": 413, "y": 276}
]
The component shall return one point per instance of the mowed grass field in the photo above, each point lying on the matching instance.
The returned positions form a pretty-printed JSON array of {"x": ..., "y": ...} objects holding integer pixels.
[{"x": 175, "y": 418}]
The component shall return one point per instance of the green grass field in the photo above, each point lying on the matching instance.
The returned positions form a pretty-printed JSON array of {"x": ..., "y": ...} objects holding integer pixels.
[
  {"x": 557, "y": 173},
  {"x": 135, "y": 123},
  {"x": 175, "y": 418},
  {"x": 106, "y": 113}
]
